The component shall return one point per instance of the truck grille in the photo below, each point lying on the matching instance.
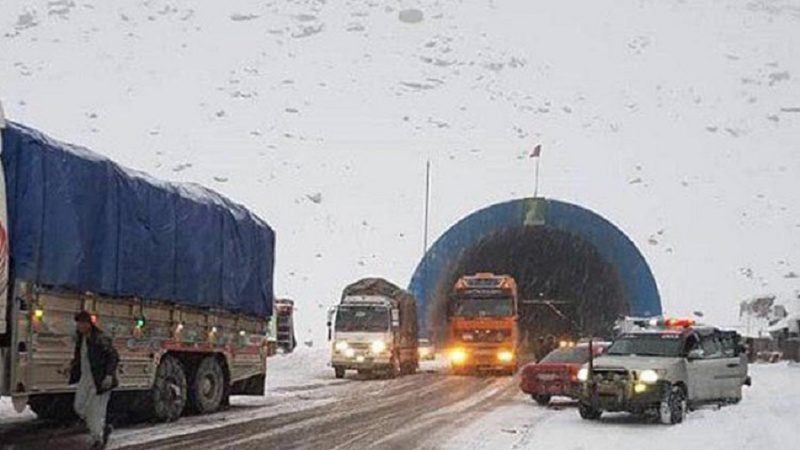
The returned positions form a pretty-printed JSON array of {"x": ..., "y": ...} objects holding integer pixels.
[{"x": 485, "y": 335}]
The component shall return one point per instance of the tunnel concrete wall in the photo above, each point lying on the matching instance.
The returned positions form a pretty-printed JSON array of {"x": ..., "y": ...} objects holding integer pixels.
[{"x": 639, "y": 287}]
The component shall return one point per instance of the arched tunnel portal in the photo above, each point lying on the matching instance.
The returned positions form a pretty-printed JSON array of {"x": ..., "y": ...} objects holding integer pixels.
[{"x": 576, "y": 272}]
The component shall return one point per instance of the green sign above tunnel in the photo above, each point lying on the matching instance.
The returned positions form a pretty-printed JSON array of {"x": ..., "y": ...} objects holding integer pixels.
[{"x": 556, "y": 251}]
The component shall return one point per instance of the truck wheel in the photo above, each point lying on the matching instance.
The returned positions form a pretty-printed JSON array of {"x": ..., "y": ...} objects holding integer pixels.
[
  {"x": 587, "y": 412},
  {"x": 339, "y": 372},
  {"x": 207, "y": 387},
  {"x": 55, "y": 407},
  {"x": 394, "y": 368},
  {"x": 542, "y": 400},
  {"x": 459, "y": 371},
  {"x": 168, "y": 394},
  {"x": 673, "y": 407}
]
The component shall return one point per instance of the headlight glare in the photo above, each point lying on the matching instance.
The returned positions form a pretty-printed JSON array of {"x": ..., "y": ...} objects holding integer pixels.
[
  {"x": 648, "y": 376},
  {"x": 341, "y": 346},
  {"x": 458, "y": 356},
  {"x": 583, "y": 374},
  {"x": 378, "y": 347},
  {"x": 505, "y": 356}
]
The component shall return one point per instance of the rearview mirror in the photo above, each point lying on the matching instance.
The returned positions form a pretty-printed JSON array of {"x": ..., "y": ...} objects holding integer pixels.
[{"x": 695, "y": 354}]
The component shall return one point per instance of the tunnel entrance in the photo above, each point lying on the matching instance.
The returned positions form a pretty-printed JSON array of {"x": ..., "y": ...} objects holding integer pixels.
[
  {"x": 576, "y": 271},
  {"x": 566, "y": 288}
]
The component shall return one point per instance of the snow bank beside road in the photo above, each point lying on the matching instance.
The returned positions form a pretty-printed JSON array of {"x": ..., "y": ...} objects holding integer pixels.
[
  {"x": 8, "y": 414},
  {"x": 766, "y": 419}
]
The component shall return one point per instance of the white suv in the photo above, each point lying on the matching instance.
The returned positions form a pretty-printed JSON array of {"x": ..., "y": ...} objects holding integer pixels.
[{"x": 665, "y": 370}]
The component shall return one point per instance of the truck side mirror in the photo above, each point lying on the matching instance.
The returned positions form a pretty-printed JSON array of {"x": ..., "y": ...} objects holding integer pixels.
[
  {"x": 331, "y": 312},
  {"x": 395, "y": 318}
]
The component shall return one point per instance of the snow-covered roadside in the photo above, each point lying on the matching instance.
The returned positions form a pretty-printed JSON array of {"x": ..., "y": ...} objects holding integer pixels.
[
  {"x": 8, "y": 414},
  {"x": 766, "y": 419}
]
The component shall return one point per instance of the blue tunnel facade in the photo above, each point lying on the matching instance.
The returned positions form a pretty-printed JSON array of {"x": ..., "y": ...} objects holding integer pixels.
[{"x": 635, "y": 291}]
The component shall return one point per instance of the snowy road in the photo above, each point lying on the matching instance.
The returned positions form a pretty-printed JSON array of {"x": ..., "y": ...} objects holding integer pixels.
[
  {"x": 308, "y": 408},
  {"x": 411, "y": 412}
]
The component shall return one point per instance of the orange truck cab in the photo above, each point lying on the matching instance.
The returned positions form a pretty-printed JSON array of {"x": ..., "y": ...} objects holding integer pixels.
[{"x": 482, "y": 324}]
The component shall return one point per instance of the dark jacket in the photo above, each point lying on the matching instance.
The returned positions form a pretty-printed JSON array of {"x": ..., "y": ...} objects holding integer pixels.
[{"x": 103, "y": 359}]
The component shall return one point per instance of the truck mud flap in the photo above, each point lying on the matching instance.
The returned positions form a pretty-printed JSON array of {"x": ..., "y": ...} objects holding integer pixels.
[{"x": 250, "y": 386}]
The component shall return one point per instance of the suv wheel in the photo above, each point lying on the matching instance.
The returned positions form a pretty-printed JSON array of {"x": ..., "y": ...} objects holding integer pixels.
[
  {"x": 542, "y": 400},
  {"x": 587, "y": 412},
  {"x": 673, "y": 407}
]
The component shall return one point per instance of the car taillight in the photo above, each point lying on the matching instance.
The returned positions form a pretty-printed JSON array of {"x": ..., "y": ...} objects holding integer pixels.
[{"x": 573, "y": 374}]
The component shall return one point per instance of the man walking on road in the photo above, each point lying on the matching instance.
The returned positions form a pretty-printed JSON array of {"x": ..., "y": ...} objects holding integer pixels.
[{"x": 94, "y": 369}]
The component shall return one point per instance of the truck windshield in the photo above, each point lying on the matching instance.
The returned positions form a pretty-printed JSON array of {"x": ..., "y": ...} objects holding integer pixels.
[
  {"x": 370, "y": 319},
  {"x": 669, "y": 345},
  {"x": 484, "y": 307}
]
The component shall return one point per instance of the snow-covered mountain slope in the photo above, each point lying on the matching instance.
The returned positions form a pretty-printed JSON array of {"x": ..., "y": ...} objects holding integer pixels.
[{"x": 677, "y": 120}]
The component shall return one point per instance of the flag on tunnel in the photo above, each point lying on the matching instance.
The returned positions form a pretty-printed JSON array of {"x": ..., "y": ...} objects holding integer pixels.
[{"x": 537, "y": 151}]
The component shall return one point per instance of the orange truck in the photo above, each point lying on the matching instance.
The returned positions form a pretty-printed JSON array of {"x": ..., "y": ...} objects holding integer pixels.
[{"x": 482, "y": 324}]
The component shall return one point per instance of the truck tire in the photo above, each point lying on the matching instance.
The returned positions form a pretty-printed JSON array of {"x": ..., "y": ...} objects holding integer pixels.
[
  {"x": 339, "y": 371},
  {"x": 55, "y": 407},
  {"x": 460, "y": 371},
  {"x": 673, "y": 407},
  {"x": 588, "y": 412},
  {"x": 168, "y": 394},
  {"x": 542, "y": 400},
  {"x": 395, "y": 369},
  {"x": 208, "y": 386}
]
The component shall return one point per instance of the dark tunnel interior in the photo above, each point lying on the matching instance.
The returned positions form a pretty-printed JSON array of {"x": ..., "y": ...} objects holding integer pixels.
[{"x": 584, "y": 293}]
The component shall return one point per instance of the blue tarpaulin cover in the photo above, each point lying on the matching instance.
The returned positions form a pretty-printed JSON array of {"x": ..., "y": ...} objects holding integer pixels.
[{"x": 81, "y": 222}]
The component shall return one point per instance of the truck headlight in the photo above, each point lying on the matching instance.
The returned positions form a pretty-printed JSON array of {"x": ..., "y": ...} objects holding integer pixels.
[
  {"x": 648, "y": 376},
  {"x": 458, "y": 356},
  {"x": 341, "y": 346},
  {"x": 583, "y": 374},
  {"x": 505, "y": 356},
  {"x": 378, "y": 347}
]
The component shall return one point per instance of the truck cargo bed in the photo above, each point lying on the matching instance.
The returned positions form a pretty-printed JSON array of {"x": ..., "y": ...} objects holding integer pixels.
[{"x": 79, "y": 221}]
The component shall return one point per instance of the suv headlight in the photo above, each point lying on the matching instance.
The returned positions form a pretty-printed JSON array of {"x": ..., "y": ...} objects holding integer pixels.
[
  {"x": 583, "y": 374},
  {"x": 378, "y": 347},
  {"x": 648, "y": 376},
  {"x": 341, "y": 346}
]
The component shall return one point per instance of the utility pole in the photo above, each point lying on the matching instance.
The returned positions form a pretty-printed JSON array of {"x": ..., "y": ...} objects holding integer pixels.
[{"x": 427, "y": 207}]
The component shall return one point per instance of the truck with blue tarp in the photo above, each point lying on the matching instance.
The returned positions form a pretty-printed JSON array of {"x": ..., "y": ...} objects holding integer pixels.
[{"x": 180, "y": 277}]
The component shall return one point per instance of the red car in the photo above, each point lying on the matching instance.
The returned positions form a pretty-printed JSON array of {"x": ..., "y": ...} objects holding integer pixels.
[{"x": 557, "y": 373}]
